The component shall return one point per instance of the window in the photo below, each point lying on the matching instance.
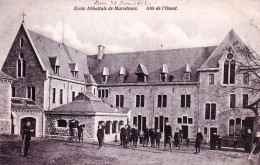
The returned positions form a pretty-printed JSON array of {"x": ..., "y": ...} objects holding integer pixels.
[
  {"x": 21, "y": 42},
  {"x": 119, "y": 100},
  {"x": 161, "y": 123},
  {"x": 73, "y": 95},
  {"x": 156, "y": 123},
  {"x": 190, "y": 121},
  {"x": 232, "y": 101},
  {"x": 121, "y": 78},
  {"x": 179, "y": 120},
  {"x": 103, "y": 93},
  {"x": 53, "y": 95},
  {"x": 245, "y": 78},
  {"x": 231, "y": 127},
  {"x": 61, "y": 96},
  {"x": 205, "y": 130},
  {"x": 185, "y": 101},
  {"x": 21, "y": 70},
  {"x": 229, "y": 72},
  {"x": 62, "y": 123},
  {"x": 139, "y": 120},
  {"x": 243, "y": 131},
  {"x": 31, "y": 93},
  {"x": 245, "y": 100},
  {"x": 139, "y": 100},
  {"x": 211, "y": 78},
  {"x": 238, "y": 127},
  {"x": 162, "y": 101},
  {"x": 210, "y": 111},
  {"x": 114, "y": 126},
  {"x": 232, "y": 72},
  {"x": 13, "y": 91},
  {"x": 143, "y": 123},
  {"x": 135, "y": 120},
  {"x": 184, "y": 119},
  {"x": 141, "y": 77},
  {"x": 74, "y": 74},
  {"x": 107, "y": 128},
  {"x": 164, "y": 77},
  {"x": 104, "y": 78},
  {"x": 56, "y": 70}
]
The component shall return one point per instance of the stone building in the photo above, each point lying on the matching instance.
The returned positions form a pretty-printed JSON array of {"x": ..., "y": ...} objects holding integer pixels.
[
  {"x": 202, "y": 87},
  {"x": 90, "y": 111},
  {"x": 5, "y": 103}
]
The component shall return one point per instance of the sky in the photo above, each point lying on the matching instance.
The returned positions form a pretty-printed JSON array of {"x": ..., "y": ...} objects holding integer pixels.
[{"x": 196, "y": 23}]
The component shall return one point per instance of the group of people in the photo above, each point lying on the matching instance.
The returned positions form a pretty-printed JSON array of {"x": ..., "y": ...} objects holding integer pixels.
[{"x": 130, "y": 136}]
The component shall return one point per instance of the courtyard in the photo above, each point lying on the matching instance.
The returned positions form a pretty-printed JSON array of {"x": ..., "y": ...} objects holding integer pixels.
[{"x": 52, "y": 151}]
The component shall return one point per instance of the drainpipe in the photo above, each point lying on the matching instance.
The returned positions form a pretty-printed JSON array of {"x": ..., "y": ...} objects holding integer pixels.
[
  {"x": 68, "y": 91},
  {"x": 153, "y": 103}
]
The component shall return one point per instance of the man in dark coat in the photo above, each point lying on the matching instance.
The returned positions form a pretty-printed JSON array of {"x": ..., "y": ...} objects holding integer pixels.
[
  {"x": 157, "y": 136},
  {"x": 100, "y": 135},
  {"x": 146, "y": 137},
  {"x": 151, "y": 134},
  {"x": 198, "y": 142},
  {"x": 219, "y": 142},
  {"x": 27, "y": 137},
  {"x": 167, "y": 135},
  {"x": 135, "y": 134},
  {"x": 177, "y": 138},
  {"x": 128, "y": 133}
]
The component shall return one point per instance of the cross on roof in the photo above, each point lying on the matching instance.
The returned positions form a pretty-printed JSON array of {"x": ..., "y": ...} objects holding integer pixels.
[{"x": 23, "y": 14}]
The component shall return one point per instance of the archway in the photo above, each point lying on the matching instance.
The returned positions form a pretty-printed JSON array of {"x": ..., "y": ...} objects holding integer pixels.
[{"x": 33, "y": 125}]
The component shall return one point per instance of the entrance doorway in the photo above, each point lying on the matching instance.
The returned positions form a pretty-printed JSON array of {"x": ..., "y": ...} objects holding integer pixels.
[
  {"x": 33, "y": 124},
  {"x": 212, "y": 131},
  {"x": 185, "y": 131}
]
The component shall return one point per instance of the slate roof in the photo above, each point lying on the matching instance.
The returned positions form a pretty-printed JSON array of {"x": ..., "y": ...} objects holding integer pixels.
[
  {"x": 66, "y": 55},
  {"x": 176, "y": 61},
  {"x": 4, "y": 76},
  {"x": 87, "y": 103},
  {"x": 231, "y": 40}
]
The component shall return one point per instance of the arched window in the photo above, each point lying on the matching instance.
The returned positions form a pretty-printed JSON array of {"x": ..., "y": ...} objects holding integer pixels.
[
  {"x": 229, "y": 71},
  {"x": 120, "y": 125},
  {"x": 114, "y": 127},
  {"x": 232, "y": 72},
  {"x": 226, "y": 66},
  {"x": 21, "y": 64},
  {"x": 107, "y": 129},
  {"x": 61, "y": 123}
]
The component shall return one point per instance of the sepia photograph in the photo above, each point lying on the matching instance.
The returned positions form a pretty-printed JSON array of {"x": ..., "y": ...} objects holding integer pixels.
[{"x": 131, "y": 82}]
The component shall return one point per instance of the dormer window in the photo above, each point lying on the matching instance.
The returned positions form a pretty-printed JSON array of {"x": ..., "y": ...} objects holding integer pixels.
[
  {"x": 21, "y": 42},
  {"x": 105, "y": 75},
  {"x": 74, "y": 69},
  {"x": 55, "y": 65},
  {"x": 21, "y": 66},
  {"x": 74, "y": 74},
  {"x": 164, "y": 73},
  {"x": 187, "y": 73},
  {"x": 122, "y": 74},
  {"x": 141, "y": 73}
]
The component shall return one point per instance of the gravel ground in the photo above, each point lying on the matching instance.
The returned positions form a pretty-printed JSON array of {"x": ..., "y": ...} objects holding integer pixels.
[{"x": 49, "y": 151}]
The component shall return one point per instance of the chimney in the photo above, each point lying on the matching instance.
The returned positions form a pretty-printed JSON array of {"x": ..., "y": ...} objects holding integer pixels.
[{"x": 100, "y": 52}]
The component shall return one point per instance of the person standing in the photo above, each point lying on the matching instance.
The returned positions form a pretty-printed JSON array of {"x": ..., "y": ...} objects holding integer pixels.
[
  {"x": 157, "y": 136},
  {"x": 135, "y": 134},
  {"x": 146, "y": 137},
  {"x": 27, "y": 137},
  {"x": 198, "y": 142},
  {"x": 151, "y": 134},
  {"x": 167, "y": 135},
  {"x": 219, "y": 142},
  {"x": 100, "y": 136},
  {"x": 177, "y": 138}
]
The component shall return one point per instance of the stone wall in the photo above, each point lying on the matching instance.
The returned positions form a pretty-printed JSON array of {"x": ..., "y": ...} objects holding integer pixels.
[{"x": 5, "y": 107}]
